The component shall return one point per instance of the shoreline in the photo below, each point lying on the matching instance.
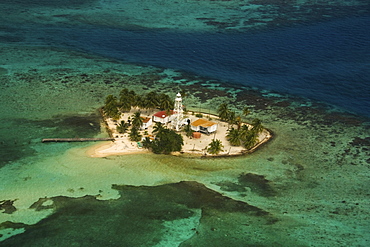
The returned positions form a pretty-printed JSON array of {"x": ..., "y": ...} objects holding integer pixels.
[{"x": 192, "y": 148}]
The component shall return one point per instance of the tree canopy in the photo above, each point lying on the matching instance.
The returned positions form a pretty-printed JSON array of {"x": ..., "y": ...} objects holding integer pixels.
[
  {"x": 122, "y": 127},
  {"x": 111, "y": 107},
  {"x": 223, "y": 111},
  {"x": 157, "y": 128},
  {"x": 245, "y": 136},
  {"x": 167, "y": 141},
  {"x": 234, "y": 136},
  {"x": 135, "y": 134},
  {"x": 137, "y": 120}
]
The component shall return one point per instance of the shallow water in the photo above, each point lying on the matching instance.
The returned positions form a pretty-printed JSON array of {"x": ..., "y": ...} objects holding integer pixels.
[{"x": 307, "y": 187}]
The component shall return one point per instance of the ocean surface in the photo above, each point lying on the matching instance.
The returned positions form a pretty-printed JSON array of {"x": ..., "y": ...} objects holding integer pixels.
[
  {"x": 327, "y": 61},
  {"x": 306, "y": 187}
]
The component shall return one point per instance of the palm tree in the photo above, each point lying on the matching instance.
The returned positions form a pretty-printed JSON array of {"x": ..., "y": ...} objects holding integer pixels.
[
  {"x": 188, "y": 130},
  {"x": 257, "y": 126},
  {"x": 215, "y": 147},
  {"x": 135, "y": 134},
  {"x": 246, "y": 111},
  {"x": 244, "y": 129},
  {"x": 111, "y": 107},
  {"x": 110, "y": 98},
  {"x": 234, "y": 137},
  {"x": 158, "y": 128},
  {"x": 122, "y": 127},
  {"x": 250, "y": 139},
  {"x": 127, "y": 99},
  {"x": 125, "y": 105},
  {"x": 165, "y": 102},
  {"x": 147, "y": 143},
  {"x": 141, "y": 102},
  {"x": 231, "y": 117},
  {"x": 137, "y": 121},
  {"x": 238, "y": 122},
  {"x": 124, "y": 92},
  {"x": 223, "y": 111},
  {"x": 151, "y": 100},
  {"x": 135, "y": 99}
]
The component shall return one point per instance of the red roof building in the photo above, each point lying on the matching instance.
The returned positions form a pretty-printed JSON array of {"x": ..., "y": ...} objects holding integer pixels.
[{"x": 162, "y": 116}]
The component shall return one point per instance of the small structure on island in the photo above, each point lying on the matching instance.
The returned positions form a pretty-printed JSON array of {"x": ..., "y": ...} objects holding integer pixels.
[
  {"x": 178, "y": 116},
  {"x": 147, "y": 121},
  {"x": 196, "y": 135},
  {"x": 162, "y": 117},
  {"x": 203, "y": 126}
]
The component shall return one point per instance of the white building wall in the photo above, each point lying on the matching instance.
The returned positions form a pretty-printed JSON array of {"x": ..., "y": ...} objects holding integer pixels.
[
  {"x": 161, "y": 120},
  {"x": 212, "y": 128},
  {"x": 146, "y": 125}
]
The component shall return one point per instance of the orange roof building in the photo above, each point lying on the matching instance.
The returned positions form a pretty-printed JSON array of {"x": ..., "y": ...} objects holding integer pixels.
[
  {"x": 204, "y": 126},
  {"x": 147, "y": 121}
]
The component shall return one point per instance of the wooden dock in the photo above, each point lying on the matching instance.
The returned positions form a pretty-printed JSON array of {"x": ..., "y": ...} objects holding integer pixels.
[{"x": 76, "y": 139}]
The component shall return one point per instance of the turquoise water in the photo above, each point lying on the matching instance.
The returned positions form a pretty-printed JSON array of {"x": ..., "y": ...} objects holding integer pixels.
[{"x": 307, "y": 187}]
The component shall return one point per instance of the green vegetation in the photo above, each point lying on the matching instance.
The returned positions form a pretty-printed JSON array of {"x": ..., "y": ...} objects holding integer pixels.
[
  {"x": 122, "y": 127},
  {"x": 129, "y": 99},
  {"x": 225, "y": 114},
  {"x": 199, "y": 115},
  {"x": 215, "y": 147},
  {"x": 257, "y": 125},
  {"x": 188, "y": 131},
  {"x": 165, "y": 142},
  {"x": 238, "y": 121},
  {"x": 165, "y": 102},
  {"x": 135, "y": 134},
  {"x": 242, "y": 135},
  {"x": 234, "y": 137},
  {"x": 147, "y": 143},
  {"x": 137, "y": 120},
  {"x": 245, "y": 136},
  {"x": 250, "y": 139},
  {"x": 111, "y": 107},
  {"x": 231, "y": 117},
  {"x": 158, "y": 128},
  {"x": 246, "y": 111}
]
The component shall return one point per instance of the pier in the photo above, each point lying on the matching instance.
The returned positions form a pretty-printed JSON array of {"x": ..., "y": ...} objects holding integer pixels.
[{"x": 76, "y": 139}]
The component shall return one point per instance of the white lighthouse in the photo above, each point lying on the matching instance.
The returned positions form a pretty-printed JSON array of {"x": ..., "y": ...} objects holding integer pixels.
[{"x": 178, "y": 113}]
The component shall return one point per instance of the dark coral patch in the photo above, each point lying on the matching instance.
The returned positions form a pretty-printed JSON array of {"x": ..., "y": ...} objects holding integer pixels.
[
  {"x": 357, "y": 141},
  {"x": 257, "y": 183},
  {"x": 135, "y": 219},
  {"x": 7, "y": 206}
]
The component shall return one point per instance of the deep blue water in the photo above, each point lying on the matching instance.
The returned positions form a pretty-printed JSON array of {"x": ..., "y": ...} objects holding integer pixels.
[{"x": 329, "y": 61}]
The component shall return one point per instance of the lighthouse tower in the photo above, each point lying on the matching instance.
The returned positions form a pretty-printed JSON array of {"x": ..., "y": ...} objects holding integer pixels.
[{"x": 178, "y": 112}]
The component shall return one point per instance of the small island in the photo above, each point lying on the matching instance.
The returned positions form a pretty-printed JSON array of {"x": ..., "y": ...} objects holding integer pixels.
[{"x": 156, "y": 123}]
